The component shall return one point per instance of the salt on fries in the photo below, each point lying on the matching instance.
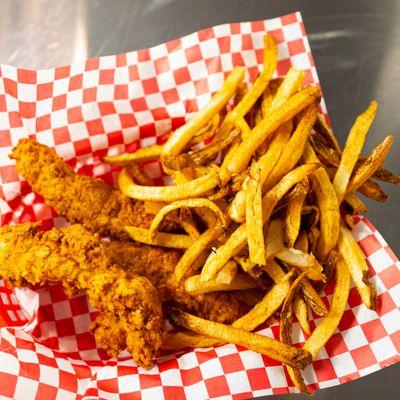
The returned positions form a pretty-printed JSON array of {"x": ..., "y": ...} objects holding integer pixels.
[{"x": 272, "y": 207}]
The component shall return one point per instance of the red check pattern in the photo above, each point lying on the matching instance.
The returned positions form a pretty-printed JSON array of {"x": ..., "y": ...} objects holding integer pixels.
[{"x": 114, "y": 104}]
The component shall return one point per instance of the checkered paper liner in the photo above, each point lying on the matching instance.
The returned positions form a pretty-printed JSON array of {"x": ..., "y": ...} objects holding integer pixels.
[{"x": 114, "y": 104}]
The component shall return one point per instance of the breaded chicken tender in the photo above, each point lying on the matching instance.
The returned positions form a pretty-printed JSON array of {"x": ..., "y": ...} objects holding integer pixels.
[
  {"x": 158, "y": 266},
  {"x": 79, "y": 198},
  {"x": 130, "y": 312},
  {"x": 103, "y": 209}
]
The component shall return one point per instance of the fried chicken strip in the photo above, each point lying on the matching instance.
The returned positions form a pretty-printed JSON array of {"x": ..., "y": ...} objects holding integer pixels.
[
  {"x": 158, "y": 266},
  {"x": 130, "y": 311},
  {"x": 79, "y": 198},
  {"x": 103, "y": 209}
]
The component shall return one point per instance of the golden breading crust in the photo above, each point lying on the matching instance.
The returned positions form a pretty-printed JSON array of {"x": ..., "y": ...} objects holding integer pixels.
[
  {"x": 130, "y": 311},
  {"x": 79, "y": 198},
  {"x": 158, "y": 266}
]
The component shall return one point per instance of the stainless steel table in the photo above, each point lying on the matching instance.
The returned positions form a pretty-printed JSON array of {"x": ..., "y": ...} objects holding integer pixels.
[{"x": 356, "y": 45}]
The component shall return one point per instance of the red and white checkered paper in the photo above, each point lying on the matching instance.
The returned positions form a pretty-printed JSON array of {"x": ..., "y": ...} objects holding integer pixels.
[{"x": 114, "y": 104}]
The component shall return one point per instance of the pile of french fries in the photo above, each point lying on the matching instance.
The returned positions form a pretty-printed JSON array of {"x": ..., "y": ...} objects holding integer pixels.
[{"x": 272, "y": 193}]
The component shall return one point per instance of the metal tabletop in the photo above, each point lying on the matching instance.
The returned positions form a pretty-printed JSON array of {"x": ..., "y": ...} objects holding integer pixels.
[{"x": 356, "y": 46}]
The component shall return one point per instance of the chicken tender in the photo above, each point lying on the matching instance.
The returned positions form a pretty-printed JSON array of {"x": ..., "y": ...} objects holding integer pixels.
[
  {"x": 79, "y": 198},
  {"x": 158, "y": 266},
  {"x": 130, "y": 311},
  {"x": 105, "y": 210}
]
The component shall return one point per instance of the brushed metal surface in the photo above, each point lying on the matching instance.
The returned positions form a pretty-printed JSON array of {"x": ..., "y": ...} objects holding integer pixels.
[{"x": 356, "y": 45}]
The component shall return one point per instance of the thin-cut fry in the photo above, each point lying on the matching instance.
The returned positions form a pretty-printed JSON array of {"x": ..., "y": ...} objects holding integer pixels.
[
  {"x": 352, "y": 149},
  {"x": 200, "y": 156},
  {"x": 188, "y": 203},
  {"x": 294, "y": 149},
  {"x": 293, "y": 213},
  {"x": 227, "y": 274},
  {"x": 258, "y": 87},
  {"x": 194, "y": 188},
  {"x": 313, "y": 299},
  {"x": 274, "y": 270},
  {"x": 207, "y": 131},
  {"x": 153, "y": 207},
  {"x": 262, "y": 344},
  {"x": 370, "y": 165},
  {"x": 303, "y": 261},
  {"x": 183, "y": 135},
  {"x": 267, "y": 306},
  {"x": 237, "y": 241},
  {"x": 373, "y": 191},
  {"x": 194, "y": 286},
  {"x": 290, "y": 85},
  {"x": 243, "y": 126},
  {"x": 328, "y": 205},
  {"x": 254, "y": 223},
  {"x": 150, "y": 153},
  {"x": 274, "y": 239},
  {"x": 384, "y": 175},
  {"x": 309, "y": 95},
  {"x": 187, "y": 222},
  {"x": 181, "y": 340},
  {"x": 285, "y": 330},
  {"x": 173, "y": 240},
  {"x": 196, "y": 249},
  {"x": 266, "y": 163},
  {"x": 301, "y": 313},
  {"x": 322, "y": 127},
  {"x": 358, "y": 267},
  {"x": 325, "y": 329},
  {"x": 356, "y": 203}
]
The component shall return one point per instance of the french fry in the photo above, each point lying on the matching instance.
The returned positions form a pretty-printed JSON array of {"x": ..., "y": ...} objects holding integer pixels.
[
  {"x": 313, "y": 299},
  {"x": 237, "y": 209},
  {"x": 303, "y": 261},
  {"x": 352, "y": 149},
  {"x": 173, "y": 240},
  {"x": 194, "y": 286},
  {"x": 181, "y": 340},
  {"x": 200, "y": 156},
  {"x": 293, "y": 150},
  {"x": 187, "y": 222},
  {"x": 325, "y": 329},
  {"x": 151, "y": 153},
  {"x": 254, "y": 223},
  {"x": 258, "y": 87},
  {"x": 227, "y": 274},
  {"x": 370, "y": 165},
  {"x": 322, "y": 127},
  {"x": 301, "y": 312},
  {"x": 262, "y": 344},
  {"x": 237, "y": 241},
  {"x": 196, "y": 249},
  {"x": 356, "y": 203},
  {"x": 274, "y": 238},
  {"x": 384, "y": 175},
  {"x": 285, "y": 330},
  {"x": 153, "y": 207},
  {"x": 373, "y": 191},
  {"x": 188, "y": 203},
  {"x": 307, "y": 96},
  {"x": 293, "y": 213},
  {"x": 328, "y": 205},
  {"x": 290, "y": 85},
  {"x": 243, "y": 126},
  {"x": 138, "y": 174},
  {"x": 183, "y": 135},
  {"x": 274, "y": 270},
  {"x": 267, "y": 306},
  {"x": 182, "y": 191},
  {"x": 359, "y": 271},
  {"x": 206, "y": 131}
]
